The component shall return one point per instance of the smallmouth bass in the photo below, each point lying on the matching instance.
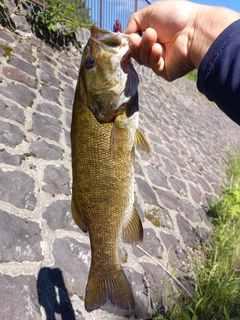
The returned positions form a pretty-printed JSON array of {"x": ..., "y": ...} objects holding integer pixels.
[{"x": 104, "y": 133}]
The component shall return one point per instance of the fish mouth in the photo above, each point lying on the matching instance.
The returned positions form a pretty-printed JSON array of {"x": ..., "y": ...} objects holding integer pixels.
[
  {"x": 118, "y": 44},
  {"x": 115, "y": 42},
  {"x": 109, "y": 38}
]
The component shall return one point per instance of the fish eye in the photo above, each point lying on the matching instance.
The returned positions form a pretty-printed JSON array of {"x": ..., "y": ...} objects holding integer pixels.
[{"x": 91, "y": 62}]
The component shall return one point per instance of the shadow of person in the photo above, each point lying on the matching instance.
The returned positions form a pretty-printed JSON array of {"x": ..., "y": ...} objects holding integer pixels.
[{"x": 53, "y": 295}]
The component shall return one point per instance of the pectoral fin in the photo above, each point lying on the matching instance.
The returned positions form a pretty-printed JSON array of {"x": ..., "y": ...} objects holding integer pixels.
[
  {"x": 76, "y": 216},
  {"x": 141, "y": 142},
  {"x": 113, "y": 138},
  {"x": 117, "y": 133},
  {"x": 133, "y": 232}
]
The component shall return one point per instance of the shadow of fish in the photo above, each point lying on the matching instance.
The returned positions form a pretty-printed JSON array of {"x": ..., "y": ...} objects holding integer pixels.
[{"x": 103, "y": 135}]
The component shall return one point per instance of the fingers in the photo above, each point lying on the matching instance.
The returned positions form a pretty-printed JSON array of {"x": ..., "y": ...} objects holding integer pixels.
[
  {"x": 156, "y": 60},
  {"x": 149, "y": 38},
  {"x": 141, "y": 47},
  {"x": 138, "y": 21},
  {"x": 135, "y": 41},
  {"x": 133, "y": 25},
  {"x": 147, "y": 51}
]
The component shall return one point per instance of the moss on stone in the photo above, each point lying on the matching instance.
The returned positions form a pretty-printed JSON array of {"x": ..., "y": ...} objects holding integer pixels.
[{"x": 8, "y": 50}]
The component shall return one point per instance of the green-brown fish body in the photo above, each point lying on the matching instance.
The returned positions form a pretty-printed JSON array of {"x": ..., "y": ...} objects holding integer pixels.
[{"x": 104, "y": 131}]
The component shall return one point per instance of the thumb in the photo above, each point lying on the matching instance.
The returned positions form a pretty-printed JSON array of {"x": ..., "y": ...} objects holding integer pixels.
[{"x": 138, "y": 21}]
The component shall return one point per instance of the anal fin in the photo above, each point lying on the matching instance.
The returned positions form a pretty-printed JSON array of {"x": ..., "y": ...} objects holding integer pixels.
[
  {"x": 133, "y": 232},
  {"x": 141, "y": 142}
]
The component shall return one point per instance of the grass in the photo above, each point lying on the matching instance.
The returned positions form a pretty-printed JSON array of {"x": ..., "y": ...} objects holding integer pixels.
[
  {"x": 217, "y": 291},
  {"x": 192, "y": 75}
]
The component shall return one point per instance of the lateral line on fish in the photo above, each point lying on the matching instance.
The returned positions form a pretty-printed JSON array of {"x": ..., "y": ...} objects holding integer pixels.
[{"x": 169, "y": 273}]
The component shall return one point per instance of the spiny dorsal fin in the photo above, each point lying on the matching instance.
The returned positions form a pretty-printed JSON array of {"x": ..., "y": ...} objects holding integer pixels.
[
  {"x": 113, "y": 286},
  {"x": 133, "y": 232},
  {"x": 141, "y": 142}
]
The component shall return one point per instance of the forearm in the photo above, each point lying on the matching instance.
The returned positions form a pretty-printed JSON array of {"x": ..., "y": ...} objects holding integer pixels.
[{"x": 219, "y": 72}]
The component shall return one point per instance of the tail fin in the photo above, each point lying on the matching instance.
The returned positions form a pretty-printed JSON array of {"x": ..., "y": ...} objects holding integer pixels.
[{"x": 114, "y": 286}]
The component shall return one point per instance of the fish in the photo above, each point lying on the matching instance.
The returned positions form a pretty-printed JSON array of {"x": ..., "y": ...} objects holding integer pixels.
[{"x": 104, "y": 134}]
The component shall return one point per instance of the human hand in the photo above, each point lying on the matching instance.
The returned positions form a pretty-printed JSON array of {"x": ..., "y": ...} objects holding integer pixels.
[
  {"x": 177, "y": 35},
  {"x": 164, "y": 46}
]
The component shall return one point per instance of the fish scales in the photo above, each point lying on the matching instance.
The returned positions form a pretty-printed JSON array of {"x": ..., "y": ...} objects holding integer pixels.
[{"x": 103, "y": 177}]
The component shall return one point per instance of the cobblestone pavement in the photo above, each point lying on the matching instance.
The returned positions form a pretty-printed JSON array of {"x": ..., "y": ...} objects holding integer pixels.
[{"x": 44, "y": 257}]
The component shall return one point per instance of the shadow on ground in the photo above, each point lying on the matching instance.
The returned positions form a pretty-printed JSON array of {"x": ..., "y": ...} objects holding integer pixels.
[{"x": 53, "y": 295}]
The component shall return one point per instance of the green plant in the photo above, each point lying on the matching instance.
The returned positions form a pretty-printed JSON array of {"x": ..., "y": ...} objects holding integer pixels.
[
  {"x": 233, "y": 171},
  {"x": 192, "y": 75},
  {"x": 60, "y": 19},
  {"x": 153, "y": 217},
  {"x": 8, "y": 50},
  {"x": 63, "y": 13}
]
